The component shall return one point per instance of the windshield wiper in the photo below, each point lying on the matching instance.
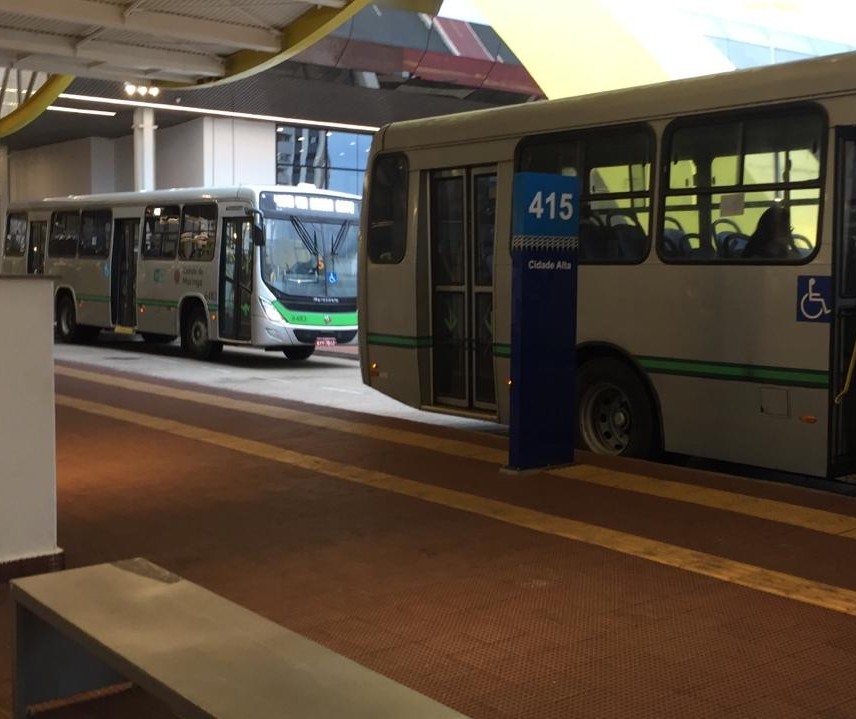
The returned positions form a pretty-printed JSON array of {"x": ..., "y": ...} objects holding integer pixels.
[
  {"x": 310, "y": 243},
  {"x": 340, "y": 235}
]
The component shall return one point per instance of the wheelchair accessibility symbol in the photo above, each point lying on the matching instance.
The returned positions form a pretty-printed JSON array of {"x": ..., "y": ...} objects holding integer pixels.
[{"x": 814, "y": 299}]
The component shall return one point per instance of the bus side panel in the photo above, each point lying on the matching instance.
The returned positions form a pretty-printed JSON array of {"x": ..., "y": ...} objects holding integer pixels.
[
  {"x": 157, "y": 303},
  {"x": 90, "y": 278},
  {"x": 390, "y": 326},
  {"x": 737, "y": 430}
]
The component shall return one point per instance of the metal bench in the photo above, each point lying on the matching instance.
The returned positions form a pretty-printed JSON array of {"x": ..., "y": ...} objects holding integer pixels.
[{"x": 85, "y": 629}]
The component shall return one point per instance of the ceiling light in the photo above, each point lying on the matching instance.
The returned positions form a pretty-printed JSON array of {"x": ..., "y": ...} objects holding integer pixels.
[
  {"x": 154, "y": 91},
  {"x": 130, "y": 89},
  {"x": 106, "y": 113}
]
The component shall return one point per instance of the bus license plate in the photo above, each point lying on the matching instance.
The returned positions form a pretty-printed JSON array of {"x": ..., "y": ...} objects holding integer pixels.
[{"x": 325, "y": 341}]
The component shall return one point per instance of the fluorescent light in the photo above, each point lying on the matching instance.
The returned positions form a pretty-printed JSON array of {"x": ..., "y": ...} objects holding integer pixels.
[
  {"x": 57, "y": 108},
  {"x": 216, "y": 113}
]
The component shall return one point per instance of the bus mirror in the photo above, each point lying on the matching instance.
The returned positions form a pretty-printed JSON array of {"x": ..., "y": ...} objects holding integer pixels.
[{"x": 258, "y": 236}]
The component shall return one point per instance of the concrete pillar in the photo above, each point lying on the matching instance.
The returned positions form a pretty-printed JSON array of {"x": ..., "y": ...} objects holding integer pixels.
[
  {"x": 144, "y": 148},
  {"x": 27, "y": 431}
]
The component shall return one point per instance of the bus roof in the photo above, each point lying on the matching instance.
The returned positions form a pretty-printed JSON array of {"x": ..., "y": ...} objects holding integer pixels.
[
  {"x": 249, "y": 193},
  {"x": 799, "y": 80}
]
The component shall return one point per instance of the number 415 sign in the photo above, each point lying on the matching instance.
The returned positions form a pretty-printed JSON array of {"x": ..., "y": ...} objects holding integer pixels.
[{"x": 544, "y": 205}]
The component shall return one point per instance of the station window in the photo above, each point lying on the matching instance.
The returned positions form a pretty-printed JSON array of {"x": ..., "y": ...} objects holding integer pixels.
[
  {"x": 198, "y": 232},
  {"x": 160, "y": 236},
  {"x": 615, "y": 171},
  {"x": 95, "y": 233},
  {"x": 743, "y": 188},
  {"x": 16, "y": 235},
  {"x": 328, "y": 159},
  {"x": 387, "y": 228},
  {"x": 65, "y": 231}
]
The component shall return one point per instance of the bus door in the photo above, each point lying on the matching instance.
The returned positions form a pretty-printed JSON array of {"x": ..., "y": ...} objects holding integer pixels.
[
  {"x": 123, "y": 285},
  {"x": 236, "y": 279},
  {"x": 843, "y": 428},
  {"x": 462, "y": 247},
  {"x": 36, "y": 249}
]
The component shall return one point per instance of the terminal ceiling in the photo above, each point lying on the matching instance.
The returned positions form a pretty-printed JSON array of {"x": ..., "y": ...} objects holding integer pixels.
[{"x": 45, "y": 44}]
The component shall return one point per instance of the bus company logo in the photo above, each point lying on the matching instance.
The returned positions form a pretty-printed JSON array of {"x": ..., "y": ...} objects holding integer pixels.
[
  {"x": 326, "y": 300},
  {"x": 327, "y": 319}
]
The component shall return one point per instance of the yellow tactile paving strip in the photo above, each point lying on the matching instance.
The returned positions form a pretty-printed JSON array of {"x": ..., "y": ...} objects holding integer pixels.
[
  {"x": 763, "y": 580},
  {"x": 817, "y": 520}
]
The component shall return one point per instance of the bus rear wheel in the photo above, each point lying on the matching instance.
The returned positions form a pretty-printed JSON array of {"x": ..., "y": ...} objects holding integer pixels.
[
  {"x": 615, "y": 413},
  {"x": 66, "y": 319},
  {"x": 298, "y": 352},
  {"x": 195, "y": 341}
]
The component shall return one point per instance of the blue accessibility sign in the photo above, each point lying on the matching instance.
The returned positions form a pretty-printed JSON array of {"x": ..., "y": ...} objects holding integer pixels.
[
  {"x": 814, "y": 298},
  {"x": 332, "y": 278}
]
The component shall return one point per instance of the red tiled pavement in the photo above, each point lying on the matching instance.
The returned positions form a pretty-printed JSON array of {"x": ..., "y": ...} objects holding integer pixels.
[{"x": 495, "y": 620}]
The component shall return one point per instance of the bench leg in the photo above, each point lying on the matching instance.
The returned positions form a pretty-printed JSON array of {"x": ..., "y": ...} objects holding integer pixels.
[{"x": 47, "y": 665}]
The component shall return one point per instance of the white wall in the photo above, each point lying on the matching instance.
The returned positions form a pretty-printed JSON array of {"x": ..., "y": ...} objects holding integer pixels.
[
  {"x": 51, "y": 171},
  {"x": 239, "y": 152},
  {"x": 205, "y": 151},
  {"x": 179, "y": 160}
]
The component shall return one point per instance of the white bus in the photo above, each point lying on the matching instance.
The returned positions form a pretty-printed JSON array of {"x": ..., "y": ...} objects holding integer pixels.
[
  {"x": 268, "y": 267},
  {"x": 717, "y": 280}
]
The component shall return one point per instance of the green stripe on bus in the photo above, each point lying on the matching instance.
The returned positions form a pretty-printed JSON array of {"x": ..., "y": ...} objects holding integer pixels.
[
  {"x": 82, "y": 297},
  {"x": 318, "y": 319},
  {"x": 398, "y": 341},
  {"x": 501, "y": 350},
  {"x": 738, "y": 372},
  {"x": 156, "y": 303}
]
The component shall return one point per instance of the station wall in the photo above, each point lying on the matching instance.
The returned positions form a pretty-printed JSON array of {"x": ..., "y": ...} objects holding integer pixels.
[{"x": 205, "y": 151}]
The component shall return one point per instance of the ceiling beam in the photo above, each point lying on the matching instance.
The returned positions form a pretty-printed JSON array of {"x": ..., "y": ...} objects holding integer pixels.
[
  {"x": 140, "y": 58},
  {"x": 159, "y": 24}
]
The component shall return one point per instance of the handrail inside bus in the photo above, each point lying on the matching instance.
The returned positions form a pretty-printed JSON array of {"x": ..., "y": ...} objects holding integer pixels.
[{"x": 847, "y": 382}]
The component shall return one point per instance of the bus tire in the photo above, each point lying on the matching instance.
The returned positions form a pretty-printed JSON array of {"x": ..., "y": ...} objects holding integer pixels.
[
  {"x": 66, "y": 319},
  {"x": 195, "y": 341},
  {"x": 299, "y": 352},
  {"x": 615, "y": 412}
]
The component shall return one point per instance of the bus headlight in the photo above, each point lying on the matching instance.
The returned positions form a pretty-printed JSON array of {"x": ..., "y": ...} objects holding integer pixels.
[{"x": 270, "y": 311}]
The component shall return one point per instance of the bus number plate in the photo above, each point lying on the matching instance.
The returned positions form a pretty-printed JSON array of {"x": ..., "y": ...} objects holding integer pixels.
[{"x": 325, "y": 341}]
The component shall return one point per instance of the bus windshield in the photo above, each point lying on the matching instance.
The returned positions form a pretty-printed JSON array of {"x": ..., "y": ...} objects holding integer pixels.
[{"x": 310, "y": 256}]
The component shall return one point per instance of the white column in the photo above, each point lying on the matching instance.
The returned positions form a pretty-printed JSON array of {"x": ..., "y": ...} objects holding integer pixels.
[
  {"x": 144, "y": 148},
  {"x": 27, "y": 435}
]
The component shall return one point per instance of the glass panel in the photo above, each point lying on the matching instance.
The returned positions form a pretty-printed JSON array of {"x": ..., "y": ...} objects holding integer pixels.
[
  {"x": 449, "y": 356},
  {"x": 95, "y": 233},
  {"x": 387, "y": 228},
  {"x": 705, "y": 156},
  {"x": 198, "y": 232},
  {"x": 160, "y": 236},
  {"x": 65, "y": 231},
  {"x": 559, "y": 157},
  {"x": 485, "y": 221},
  {"x": 783, "y": 149},
  {"x": 342, "y": 150},
  {"x": 16, "y": 235},
  {"x": 848, "y": 225},
  {"x": 447, "y": 221},
  {"x": 484, "y": 376}
]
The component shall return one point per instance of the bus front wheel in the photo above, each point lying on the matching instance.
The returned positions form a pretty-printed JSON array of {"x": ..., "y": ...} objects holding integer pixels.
[
  {"x": 195, "y": 341},
  {"x": 615, "y": 413},
  {"x": 298, "y": 352}
]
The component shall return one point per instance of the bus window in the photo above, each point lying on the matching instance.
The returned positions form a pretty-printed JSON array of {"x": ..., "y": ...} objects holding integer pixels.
[
  {"x": 16, "y": 235},
  {"x": 198, "y": 232},
  {"x": 387, "y": 229},
  {"x": 615, "y": 202},
  {"x": 65, "y": 231},
  {"x": 729, "y": 179},
  {"x": 160, "y": 236},
  {"x": 95, "y": 231}
]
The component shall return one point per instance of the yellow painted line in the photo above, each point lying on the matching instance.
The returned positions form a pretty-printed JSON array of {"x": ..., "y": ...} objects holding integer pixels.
[
  {"x": 817, "y": 520},
  {"x": 764, "y": 580}
]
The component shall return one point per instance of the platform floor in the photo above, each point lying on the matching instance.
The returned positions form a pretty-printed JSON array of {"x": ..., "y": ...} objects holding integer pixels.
[{"x": 605, "y": 589}]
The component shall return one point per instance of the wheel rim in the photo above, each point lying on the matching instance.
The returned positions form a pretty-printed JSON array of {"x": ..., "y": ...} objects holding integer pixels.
[
  {"x": 199, "y": 334},
  {"x": 605, "y": 418}
]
